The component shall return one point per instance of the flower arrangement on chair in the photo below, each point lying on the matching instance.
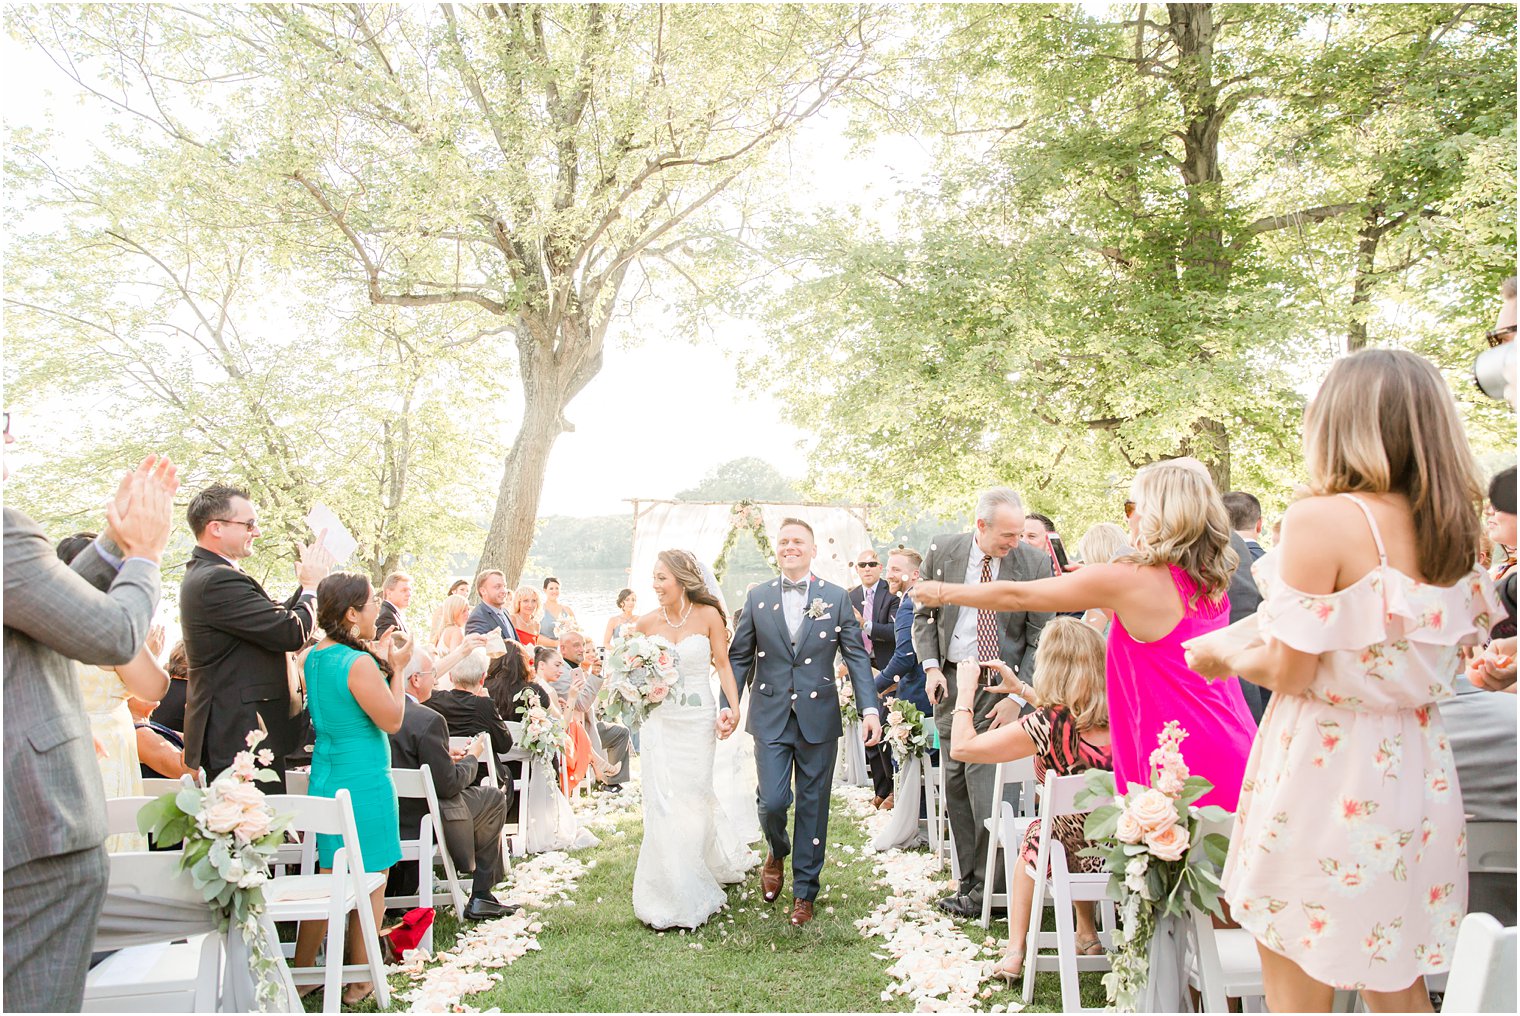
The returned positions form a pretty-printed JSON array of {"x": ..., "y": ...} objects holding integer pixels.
[
  {"x": 543, "y": 735},
  {"x": 905, "y": 733},
  {"x": 230, "y": 835},
  {"x": 847, "y": 711},
  {"x": 1158, "y": 863}
]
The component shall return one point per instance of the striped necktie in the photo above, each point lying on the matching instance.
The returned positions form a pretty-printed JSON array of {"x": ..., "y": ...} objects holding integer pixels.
[{"x": 986, "y": 621}]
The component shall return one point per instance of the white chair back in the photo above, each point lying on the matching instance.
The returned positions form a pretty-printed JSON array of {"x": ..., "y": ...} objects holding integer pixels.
[
  {"x": 121, "y": 814},
  {"x": 416, "y": 784},
  {"x": 158, "y": 786},
  {"x": 1482, "y": 968},
  {"x": 1022, "y": 773}
]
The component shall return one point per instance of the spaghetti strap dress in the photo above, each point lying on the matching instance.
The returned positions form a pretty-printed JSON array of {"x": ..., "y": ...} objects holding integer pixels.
[
  {"x": 1149, "y": 684},
  {"x": 1350, "y": 848}
]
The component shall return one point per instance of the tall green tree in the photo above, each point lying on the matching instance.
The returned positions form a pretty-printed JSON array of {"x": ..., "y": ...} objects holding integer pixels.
[
  {"x": 516, "y": 160},
  {"x": 1147, "y": 237}
]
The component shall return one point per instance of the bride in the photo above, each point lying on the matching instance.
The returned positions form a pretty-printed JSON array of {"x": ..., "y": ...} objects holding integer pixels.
[{"x": 690, "y": 849}]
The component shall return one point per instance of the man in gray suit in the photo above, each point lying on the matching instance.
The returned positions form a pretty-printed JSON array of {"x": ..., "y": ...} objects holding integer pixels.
[
  {"x": 97, "y": 611},
  {"x": 786, "y": 643},
  {"x": 946, "y": 636}
]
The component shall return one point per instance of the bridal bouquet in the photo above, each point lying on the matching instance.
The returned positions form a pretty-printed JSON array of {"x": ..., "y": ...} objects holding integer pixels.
[
  {"x": 543, "y": 734},
  {"x": 1158, "y": 863},
  {"x": 906, "y": 735},
  {"x": 230, "y": 835},
  {"x": 641, "y": 673}
]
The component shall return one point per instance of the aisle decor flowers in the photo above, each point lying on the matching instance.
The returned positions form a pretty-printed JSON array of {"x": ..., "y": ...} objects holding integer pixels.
[
  {"x": 543, "y": 735},
  {"x": 1158, "y": 859},
  {"x": 230, "y": 835},
  {"x": 847, "y": 710},
  {"x": 906, "y": 734},
  {"x": 641, "y": 673}
]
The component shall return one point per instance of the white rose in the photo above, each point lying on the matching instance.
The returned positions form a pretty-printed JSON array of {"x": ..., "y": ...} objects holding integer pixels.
[
  {"x": 1153, "y": 810},
  {"x": 222, "y": 816}
]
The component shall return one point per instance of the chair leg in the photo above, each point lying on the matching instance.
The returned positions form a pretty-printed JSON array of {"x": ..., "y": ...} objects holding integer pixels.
[
  {"x": 994, "y": 844},
  {"x": 1066, "y": 948},
  {"x": 376, "y": 964},
  {"x": 332, "y": 983}
]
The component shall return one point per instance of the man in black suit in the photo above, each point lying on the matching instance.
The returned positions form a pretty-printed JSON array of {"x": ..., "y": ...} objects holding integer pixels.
[
  {"x": 1245, "y": 519},
  {"x": 468, "y": 709},
  {"x": 395, "y": 597},
  {"x": 236, "y": 636},
  {"x": 1245, "y": 598},
  {"x": 472, "y": 815},
  {"x": 876, "y": 609},
  {"x": 490, "y": 614}
]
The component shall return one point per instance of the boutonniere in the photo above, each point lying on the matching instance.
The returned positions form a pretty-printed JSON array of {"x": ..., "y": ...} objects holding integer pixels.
[{"x": 818, "y": 610}]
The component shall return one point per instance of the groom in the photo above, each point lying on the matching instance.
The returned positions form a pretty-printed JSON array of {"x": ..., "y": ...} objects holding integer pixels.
[{"x": 788, "y": 636}]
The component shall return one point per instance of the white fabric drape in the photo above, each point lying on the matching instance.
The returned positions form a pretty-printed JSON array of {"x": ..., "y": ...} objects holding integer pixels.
[
  {"x": 548, "y": 821},
  {"x": 850, "y": 763},
  {"x": 839, "y": 532},
  {"x": 699, "y": 528},
  {"x": 902, "y": 830}
]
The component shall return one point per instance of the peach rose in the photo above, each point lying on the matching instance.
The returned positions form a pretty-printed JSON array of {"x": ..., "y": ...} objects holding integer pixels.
[
  {"x": 1170, "y": 843},
  {"x": 1153, "y": 810},
  {"x": 223, "y": 816},
  {"x": 255, "y": 824},
  {"x": 657, "y": 692},
  {"x": 1129, "y": 830}
]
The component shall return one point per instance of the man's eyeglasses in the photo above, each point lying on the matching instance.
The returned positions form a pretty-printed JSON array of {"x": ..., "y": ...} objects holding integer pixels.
[
  {"x": 251, "y": 524},
  {"x": 868, "y": 564},
  {"x": 1496, "y": 338}
]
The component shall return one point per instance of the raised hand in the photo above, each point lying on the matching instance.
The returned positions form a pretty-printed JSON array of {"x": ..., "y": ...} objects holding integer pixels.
[
  {"x": 316, "y": 562},
  {"x": 399, "y": 652},
  {"x": 155, "y": 640},
  {"x": 139, "y": 517}
]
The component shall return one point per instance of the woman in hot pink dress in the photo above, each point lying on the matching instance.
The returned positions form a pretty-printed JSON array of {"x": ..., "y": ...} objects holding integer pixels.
[
  {"x": 1170, "y": 590},
  {"x": 1348, "y": 862}
]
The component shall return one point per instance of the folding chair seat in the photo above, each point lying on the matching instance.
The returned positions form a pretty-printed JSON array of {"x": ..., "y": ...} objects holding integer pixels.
[{"x": 428, "y": 848}]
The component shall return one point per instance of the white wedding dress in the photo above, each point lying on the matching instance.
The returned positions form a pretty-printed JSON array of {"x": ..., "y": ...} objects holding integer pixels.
[{"x": 690, "y": 849}]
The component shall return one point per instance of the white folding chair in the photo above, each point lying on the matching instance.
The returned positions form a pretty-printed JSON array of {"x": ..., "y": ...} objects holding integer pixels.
[
  {"x": 310, "y": 896},
  {"x": 1483, "y": 966},
  {"x": 1223, "y": 963},
  {"x": 1066, "y": 888},
  {"x": 934, "y": 799},
  {"x": 515, "y": 830},
  {"x": 428, "y": 847},
  {"x": 158, "y": 786},
  {"x": 1022, "y": 773},
  {"x": 169, "y": 976}
]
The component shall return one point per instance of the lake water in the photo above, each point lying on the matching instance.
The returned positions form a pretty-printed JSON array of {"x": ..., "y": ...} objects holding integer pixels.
[{"x": 592, "y": 593}]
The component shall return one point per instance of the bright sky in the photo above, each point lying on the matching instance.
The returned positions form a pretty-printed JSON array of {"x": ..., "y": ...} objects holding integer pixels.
[{"x": 653, "y": 384}]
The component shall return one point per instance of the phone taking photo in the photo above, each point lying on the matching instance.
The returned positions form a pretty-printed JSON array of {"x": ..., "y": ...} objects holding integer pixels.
[{"x": 1060, "y": 550}]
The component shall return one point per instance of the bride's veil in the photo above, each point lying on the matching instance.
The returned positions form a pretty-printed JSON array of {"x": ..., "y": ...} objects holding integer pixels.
[{"x": 711, "y": 581}]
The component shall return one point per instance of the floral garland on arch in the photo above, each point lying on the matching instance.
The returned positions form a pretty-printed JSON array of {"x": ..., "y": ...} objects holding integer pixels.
[
  {"x": 1158, "y": 863},
  {"x": 905, "y": 733},
  {"x": 230, "y": 835}
]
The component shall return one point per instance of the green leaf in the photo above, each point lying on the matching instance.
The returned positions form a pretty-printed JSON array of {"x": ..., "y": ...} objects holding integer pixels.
[
  {"x": 1101, "y": 823},
  {"x": 1193, "y": 788}
]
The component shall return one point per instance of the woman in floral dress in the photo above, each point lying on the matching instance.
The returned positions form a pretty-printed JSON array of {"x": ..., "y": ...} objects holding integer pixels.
[{"x": 1348, "y": 862}]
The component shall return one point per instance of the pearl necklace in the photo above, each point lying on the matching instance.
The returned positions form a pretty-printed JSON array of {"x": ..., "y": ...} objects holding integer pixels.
[{"x": 672, "y": 624}]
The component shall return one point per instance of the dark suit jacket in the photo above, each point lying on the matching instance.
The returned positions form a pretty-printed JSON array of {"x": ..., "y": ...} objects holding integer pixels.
[
  {"x": 1018, "y": 631},
  {"x": 467, "y": 715},
  {"x": 483, "y": 620},
  {"x": 236, "y": 639},
  {"x": 57, "y": 613},
  {"x": 1256, "y": 549},
  {"x": 171, "y": 708},
  {"x": 389, "y": 617},
  {"x": 1244, "y": 596},
  {"x": 424, "y": 740},
  {"x": 904, "y": 668},
  {"x": 881, "y": 624}
]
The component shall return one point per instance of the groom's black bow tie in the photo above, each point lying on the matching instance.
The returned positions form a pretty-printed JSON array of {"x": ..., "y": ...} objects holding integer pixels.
[{"x": 791, "y": 585}]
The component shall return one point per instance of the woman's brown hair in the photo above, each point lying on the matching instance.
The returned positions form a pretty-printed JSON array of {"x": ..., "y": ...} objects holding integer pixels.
[{"x": 1384, "y": 421}]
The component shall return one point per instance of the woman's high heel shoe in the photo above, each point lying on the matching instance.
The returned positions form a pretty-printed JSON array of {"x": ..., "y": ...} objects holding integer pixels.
[{"x": 1010, "y": 969}]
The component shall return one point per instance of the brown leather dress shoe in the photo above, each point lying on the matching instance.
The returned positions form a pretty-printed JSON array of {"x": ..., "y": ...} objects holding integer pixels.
[
  {"x": 802, "y": 911},
  {"x": 771, "y": 877}
]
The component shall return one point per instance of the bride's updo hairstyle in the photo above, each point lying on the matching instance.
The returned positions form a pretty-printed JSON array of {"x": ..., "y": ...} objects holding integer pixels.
[
  {"x": 1385, "y": 422},
  {"x": 1180, "y": 519},
  {"x": 683, "y": 567}
]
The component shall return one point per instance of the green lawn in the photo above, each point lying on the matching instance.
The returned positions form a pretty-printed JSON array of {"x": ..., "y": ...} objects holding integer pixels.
[{"x": 597, "y": 958}]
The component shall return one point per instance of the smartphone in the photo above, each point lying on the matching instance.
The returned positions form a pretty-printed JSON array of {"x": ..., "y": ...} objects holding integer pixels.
[
  {"x": 601, "y": 653},
  {"x": 1060, "y": 550}
]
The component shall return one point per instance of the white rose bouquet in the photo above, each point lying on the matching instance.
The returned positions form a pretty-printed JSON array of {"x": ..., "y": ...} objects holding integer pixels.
[
  {"x": 641, "y": 673},
  {"x": 847, "y": 710},
  {"x": 1158, "y": 863},
  {"x": 230, "y": 835},
  {"x": 544, "y": 735},
  {"x": 905, "y": 733}
]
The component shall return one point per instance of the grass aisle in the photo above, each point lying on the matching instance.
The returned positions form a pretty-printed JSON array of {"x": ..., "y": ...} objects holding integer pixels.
[{"x": 595, "y": 956}]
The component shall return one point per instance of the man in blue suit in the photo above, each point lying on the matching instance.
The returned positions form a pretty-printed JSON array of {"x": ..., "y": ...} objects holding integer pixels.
[
  {"x": 786, "y": 643},
  {"x": 490, "y": 614},
  {"x": 903, "y": 671}
]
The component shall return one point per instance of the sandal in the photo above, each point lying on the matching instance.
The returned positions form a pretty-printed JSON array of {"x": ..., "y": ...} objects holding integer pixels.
[
  {"x": 1090, "y": 947},
  {"x": 1009, "y": 968}
]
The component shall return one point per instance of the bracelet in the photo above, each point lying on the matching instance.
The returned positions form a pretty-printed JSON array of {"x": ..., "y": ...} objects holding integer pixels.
[{"x": 965, "y": 709}]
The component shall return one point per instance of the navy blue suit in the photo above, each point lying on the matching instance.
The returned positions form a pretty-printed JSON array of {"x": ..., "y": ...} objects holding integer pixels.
[
  {"x": 794, "y": 713},
  {"x": 904, "y": 668}
]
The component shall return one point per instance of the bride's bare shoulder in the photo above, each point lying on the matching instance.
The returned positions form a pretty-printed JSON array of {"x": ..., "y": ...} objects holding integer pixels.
[{"x": 647, "y": 624}]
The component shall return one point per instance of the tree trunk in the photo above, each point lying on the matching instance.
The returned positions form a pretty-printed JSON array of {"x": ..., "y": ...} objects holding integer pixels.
[
  {"x": 1367, "y": 239},
  {"x": 522, "y": 481}
]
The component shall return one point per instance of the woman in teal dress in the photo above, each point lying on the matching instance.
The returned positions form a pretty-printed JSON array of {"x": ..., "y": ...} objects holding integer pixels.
[{"x": 356, "y": 699}]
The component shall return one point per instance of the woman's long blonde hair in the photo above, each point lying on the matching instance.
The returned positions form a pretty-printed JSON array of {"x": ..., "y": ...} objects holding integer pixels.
[
  {"x": 1385, "y": 422},
  {"x": 1180, "y": 519},
  {"x": 1069, "y": 672},
  {"x": 1102, "y": 543},
  {"x": 448, "y": 610}
]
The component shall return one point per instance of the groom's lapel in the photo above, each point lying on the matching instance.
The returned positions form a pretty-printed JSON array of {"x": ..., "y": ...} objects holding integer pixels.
[
  {"x": 772, "y": 614},
  {"x": 817, "y": 589}
]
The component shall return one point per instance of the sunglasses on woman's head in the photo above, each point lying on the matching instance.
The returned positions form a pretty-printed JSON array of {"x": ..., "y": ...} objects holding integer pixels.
[{"x": 1129, "y": 509}]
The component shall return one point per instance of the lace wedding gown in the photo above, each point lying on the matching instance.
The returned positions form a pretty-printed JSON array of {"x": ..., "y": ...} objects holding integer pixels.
[{"x": 690, "y": 848}]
